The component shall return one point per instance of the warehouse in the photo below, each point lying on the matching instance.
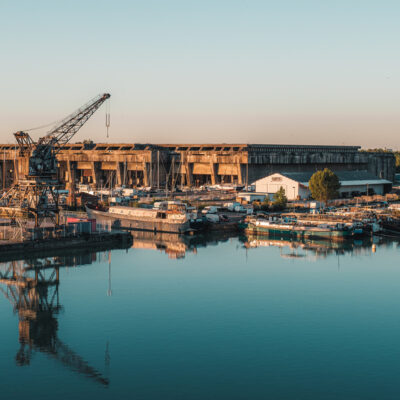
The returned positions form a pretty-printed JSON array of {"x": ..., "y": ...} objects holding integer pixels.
[
  {"x": 353, "y": 183},
  {"x": 192, "y": 165}
]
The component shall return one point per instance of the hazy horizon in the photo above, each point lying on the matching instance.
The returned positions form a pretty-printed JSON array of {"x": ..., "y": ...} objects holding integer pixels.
[{"x": 268, "y": 72}]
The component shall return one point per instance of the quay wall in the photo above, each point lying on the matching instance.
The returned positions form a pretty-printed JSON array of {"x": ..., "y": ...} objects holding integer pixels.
[{"x": 107, "y": 240}]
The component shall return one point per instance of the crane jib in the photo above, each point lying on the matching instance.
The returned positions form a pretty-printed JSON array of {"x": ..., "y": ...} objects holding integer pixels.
[{"x": 43, "y": 159}]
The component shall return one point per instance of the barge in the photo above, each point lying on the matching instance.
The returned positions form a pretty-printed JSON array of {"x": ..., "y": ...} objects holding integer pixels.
[
  {"x": 297, "y": 231},
  {"x": 155, "y": 220}
]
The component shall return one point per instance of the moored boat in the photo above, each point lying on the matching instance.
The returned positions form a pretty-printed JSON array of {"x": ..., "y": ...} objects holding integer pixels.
[
  {"x": 336, "y": 232},
  {"x": 142, "y": 219}
]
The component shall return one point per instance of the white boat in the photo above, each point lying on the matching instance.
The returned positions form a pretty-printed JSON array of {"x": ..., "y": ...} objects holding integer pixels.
[{"x": 142, "y": 218}]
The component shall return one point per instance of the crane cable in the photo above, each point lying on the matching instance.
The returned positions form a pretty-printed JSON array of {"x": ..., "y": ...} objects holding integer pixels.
[
  {"x": 59, "y": 121},
  {"x": 43, "y": 126},
  {"x": 107, "y": 115}
]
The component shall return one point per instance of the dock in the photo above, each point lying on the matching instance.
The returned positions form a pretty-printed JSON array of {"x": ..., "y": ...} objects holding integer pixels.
[{"x": 100, "y": 240}]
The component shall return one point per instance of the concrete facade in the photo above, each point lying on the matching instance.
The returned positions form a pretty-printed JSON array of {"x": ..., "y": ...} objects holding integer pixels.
[{"x": 193, "y": 165}]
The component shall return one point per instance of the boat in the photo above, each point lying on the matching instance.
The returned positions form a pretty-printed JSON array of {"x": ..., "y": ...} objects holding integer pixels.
[
  {"x": 391, "y": 226},
  {"x": 223, "y": 226},
  {"x": 336, "y": 232},
  {"x": 197, "y": 221},
  {"x": 143, "y": 219}
]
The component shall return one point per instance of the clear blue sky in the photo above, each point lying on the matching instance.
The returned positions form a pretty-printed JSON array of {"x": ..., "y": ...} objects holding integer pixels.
[{"x": 324, "y": 72}]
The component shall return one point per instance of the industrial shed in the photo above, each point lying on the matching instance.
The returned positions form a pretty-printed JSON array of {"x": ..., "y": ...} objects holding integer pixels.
[{"x": 353, "y": 183}]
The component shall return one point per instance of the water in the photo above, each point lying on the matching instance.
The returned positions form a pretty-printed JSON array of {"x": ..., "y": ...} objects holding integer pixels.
[{"x": 222, "y": 319}]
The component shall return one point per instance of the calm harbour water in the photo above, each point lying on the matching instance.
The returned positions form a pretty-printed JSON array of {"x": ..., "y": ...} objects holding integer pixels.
[{"x": 229, "y": 319}]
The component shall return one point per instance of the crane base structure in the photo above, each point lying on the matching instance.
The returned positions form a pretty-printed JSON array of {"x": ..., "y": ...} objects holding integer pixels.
[{"x": 31, "y": 199}]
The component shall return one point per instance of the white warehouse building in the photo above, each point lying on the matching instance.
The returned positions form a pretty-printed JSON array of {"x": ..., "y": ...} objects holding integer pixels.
[{"x": 353, "y": 183}]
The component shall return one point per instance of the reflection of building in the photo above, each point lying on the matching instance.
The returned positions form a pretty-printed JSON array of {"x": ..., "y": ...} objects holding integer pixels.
[
  {"x": 32, "y": 289},
  {"x": 311, "y": 249},
  {"x": 175, "y": 245}
]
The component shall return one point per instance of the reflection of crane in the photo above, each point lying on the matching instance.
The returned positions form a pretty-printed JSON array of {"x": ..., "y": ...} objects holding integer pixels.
[
  {"x": 109, "y": 291},
  {"x": 32, "y": 289},
  {"x": 36, "y": 195}
]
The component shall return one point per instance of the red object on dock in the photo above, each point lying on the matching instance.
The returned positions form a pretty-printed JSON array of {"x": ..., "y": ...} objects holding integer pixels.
[{"x": 71, "y": 220}]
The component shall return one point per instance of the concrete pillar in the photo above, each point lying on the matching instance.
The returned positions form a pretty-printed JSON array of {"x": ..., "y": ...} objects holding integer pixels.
[
  {"x": 146, "y": 173},
  {"x": 15, "y": 170},
  {"x": 94, "y": 178},
  {"x": 214, "y": 173},
  {"x": 69, "y": 180},
  {"x": 96, "y": 173},
  {"x": 239, "y": 173},
  {"x": 23, "y": 165},
  {"x": 9, "y": 179},
  {"x": 189, "y": 174},
  {"x": 124, "y": 173},
  {"x": 119, "y": 174},
  {"x": 3, "y": 175}
]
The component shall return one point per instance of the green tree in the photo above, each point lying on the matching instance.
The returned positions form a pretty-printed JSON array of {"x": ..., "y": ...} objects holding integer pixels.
[
  {"x": 265, "y": 204},
  {"x": 324, "y": 185},
  {"x": 280, "y": 199},
  {"x": 397, "y": 155}
]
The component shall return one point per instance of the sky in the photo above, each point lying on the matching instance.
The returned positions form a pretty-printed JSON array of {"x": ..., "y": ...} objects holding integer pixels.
[{"x": 283, "y": 71}]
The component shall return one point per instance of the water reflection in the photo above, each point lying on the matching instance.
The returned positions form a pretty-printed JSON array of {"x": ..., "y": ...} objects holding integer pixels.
[
  {"x": 247, "y": 319},
  {"x": 316, "y": 249},
  {"x": 174, "y": 245},
  {"x": 32, "y": 288}
]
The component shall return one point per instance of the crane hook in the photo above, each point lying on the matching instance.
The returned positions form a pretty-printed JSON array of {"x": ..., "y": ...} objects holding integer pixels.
[{"x": 107, "y": 116}]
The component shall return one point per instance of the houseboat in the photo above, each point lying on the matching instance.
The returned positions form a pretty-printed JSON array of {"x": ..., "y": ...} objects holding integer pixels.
[{"x": 154, "y": 220}]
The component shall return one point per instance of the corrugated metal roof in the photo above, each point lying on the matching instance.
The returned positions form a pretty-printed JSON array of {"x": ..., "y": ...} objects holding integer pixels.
[
  {"x": 344, "y": 177},
  {"x": 359, "y": 183}
]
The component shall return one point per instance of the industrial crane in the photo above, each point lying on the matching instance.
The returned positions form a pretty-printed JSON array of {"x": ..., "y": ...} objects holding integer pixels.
[{"x": 36, "y": 195}]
